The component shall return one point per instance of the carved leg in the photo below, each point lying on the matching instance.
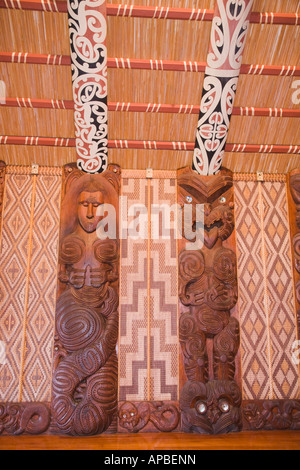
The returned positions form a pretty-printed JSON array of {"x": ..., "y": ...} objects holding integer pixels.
[
  {"x": 193, "y": 343},
  {"x": 226, "y": 345}
]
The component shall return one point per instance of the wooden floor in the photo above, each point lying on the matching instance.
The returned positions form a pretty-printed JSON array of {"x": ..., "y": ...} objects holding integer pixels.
[{"x": 289, "y": 440}]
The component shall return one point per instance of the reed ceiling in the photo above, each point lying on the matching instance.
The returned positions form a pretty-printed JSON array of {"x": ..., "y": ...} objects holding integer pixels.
[{"x": 139, "y": 38}]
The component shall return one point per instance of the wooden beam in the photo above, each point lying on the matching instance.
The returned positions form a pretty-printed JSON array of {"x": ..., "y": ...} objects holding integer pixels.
[
  {"x": 158, "y": 12},
  {"x": 149, "y": 107},
  {"x": 228, "y": 38},
  {"x": 149, "y": 64},
  {"x": 148, "y": 145}
]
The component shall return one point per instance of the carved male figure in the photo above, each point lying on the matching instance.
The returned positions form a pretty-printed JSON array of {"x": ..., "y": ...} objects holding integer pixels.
[{"x": 209, "y": 334}]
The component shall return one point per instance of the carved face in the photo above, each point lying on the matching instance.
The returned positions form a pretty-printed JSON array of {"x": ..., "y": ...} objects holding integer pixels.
[
  {"x": 211, "y": 408},
  {"x": 218, "y": 222},
  {"x": 88, "y": 204},
  {"x": 128, "y": 416}
]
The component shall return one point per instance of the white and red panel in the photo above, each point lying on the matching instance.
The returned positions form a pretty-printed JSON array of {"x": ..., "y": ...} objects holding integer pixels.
[
  {"x": 228, "y": 37},
  {"x": 88, "y": 31}
]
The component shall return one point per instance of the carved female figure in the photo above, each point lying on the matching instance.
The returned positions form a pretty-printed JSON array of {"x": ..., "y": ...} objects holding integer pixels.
[{"x": 85, "y": 370}]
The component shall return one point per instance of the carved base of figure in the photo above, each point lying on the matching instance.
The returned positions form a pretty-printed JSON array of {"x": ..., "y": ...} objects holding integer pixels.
[
  {"x": 271, "y": 415},
  {"x": 93, "y": 406},
  {"x": 148, "y": 416},
  {"x": 20, "y": 418},
  {"x": 211, "y": 408}
]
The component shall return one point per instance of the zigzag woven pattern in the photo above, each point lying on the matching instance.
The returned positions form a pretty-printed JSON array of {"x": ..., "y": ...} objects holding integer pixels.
[
  {"x": 133, "y": 343},
  {"x": 266, "y": 298},
  {"x": 164, "y": 296},
  {"x": 148, "y": 312}
]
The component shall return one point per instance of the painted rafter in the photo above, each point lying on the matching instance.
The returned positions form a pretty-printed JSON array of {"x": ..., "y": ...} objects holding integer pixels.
[
  {"x": 158, "y": 12},
  {"x": 88, "y": 32},
  {"x": 228, "y": 37},
  {"x": 149, "y": 145},
  {"x": 149, "y": 108},
  {"x": 148, "y": 64}
]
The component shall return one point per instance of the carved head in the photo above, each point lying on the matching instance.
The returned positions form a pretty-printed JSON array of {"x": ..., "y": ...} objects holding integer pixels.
[
  {"x": 218, "y": 222},
  {"x": 129, "y": 416},
  {"x": 215, "y": 193},
  {"x": 211, "y": 408},
  {"x": 88, "y": 204},
  {"x": 86, "y": 193}
]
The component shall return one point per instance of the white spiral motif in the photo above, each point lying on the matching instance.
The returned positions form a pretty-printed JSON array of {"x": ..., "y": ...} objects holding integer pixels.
[
  {"x": 228, "y": 36},
  {"x": 239, "y": 37},
  {"x": 219, "y": 39},
  {"x": 88, "y": 31}
]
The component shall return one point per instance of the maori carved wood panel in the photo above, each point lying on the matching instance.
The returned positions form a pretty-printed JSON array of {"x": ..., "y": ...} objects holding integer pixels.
[
  {"x": 210, "y": 398},
  {"x": 19, "y": 418},
  {"x": 148, "y": 416},
  {"x": 271, "y": 415},
  {"x": 85, "y": 373},
  {"x": 294, "y": 206},
  {"x": 2, "y": 182}
]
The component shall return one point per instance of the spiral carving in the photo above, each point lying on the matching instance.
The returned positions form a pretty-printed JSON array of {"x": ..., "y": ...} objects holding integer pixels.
[
  {"x": 135, "y": 417},
  {"x": 85, "y": 376},
  {"x": 191, "y": 265},
  {"x": 76, "y": 324},
  {"x": 106, "y": 251},
  {"x": 71, "y": 250},
  {"x": 19, "y": 418},
  {"x": 225, "y": 266},
  {"x": 94, "y": 362},
  {"x": 270, "y": 415},
  {"x": 209, "y": 335}
]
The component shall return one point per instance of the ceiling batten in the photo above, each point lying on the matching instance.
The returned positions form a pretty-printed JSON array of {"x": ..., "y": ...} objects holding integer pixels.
[
  {"x": 158, "y": 12},
  {"x": 149, "y": 145},
  {"x": 148, "y": 64},
  {"x": 148, "y": 107}
]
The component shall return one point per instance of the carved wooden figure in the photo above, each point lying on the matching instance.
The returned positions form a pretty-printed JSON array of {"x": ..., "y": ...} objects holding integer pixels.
[
  {"x": 19, "y": 418},
  {"x": 148, "y": 416},
  {"x": 294, "y": 184},
  {"x": 270, "y": 415},
  {"x": 85, "y": 376},
  {"x": 209, "y": 334},
  {"x": 2, "y": 182}
]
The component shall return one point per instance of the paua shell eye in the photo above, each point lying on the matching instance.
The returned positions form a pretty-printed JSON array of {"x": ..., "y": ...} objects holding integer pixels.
[
  {"x": 189, "y": 199},
  {"x": 223, "y": 200},
  {"x": 224, "y": 406},
  {"x": 201, "y": 407}
]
